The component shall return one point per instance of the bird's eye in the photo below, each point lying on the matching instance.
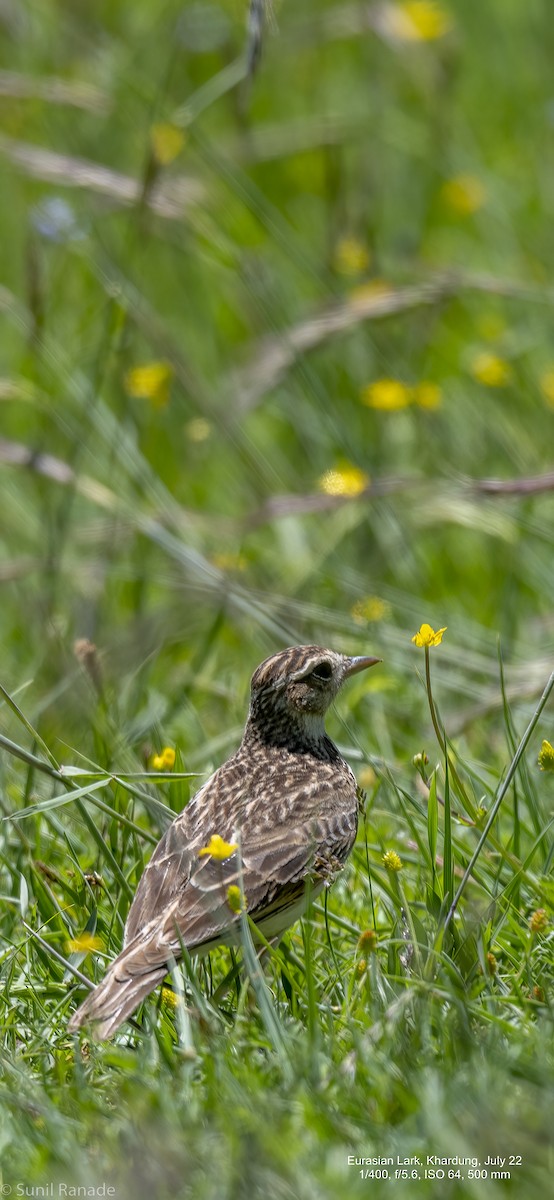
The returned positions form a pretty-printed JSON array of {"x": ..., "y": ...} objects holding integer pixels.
[{"x": 323, "y": 671}]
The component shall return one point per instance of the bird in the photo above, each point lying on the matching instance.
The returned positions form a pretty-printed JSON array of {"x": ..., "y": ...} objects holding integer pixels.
[{"x": 271, "y": 827}]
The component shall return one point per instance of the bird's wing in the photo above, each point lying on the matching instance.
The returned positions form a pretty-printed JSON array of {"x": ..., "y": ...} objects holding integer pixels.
[
  {"x": 271, "y": 873},
  {"x": 167, "y": 872},
  {"x": 183, "y": 898},
  {"x": 174, "y": 858},
  {"x": 306, "y": 824},
  {"x": 217, "y": 807}
]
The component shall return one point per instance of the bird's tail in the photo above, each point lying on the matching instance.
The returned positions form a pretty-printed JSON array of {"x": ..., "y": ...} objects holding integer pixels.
[{"x": 128, "y": 981}]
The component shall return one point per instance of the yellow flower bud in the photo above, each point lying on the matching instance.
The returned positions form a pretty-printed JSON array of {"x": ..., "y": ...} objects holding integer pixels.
[
  {"x": 235, "y": 899},
  {"x": 538, "y": 921},
  {"x": 167, "y": 142},
  {"x": 150, "y": 381},
  {"x": 546, "y": 756},
  {"x": 392, "y": 861}
]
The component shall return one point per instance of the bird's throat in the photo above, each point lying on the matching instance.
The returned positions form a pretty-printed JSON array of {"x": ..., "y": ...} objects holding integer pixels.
[{"x": 298, "y": 732}]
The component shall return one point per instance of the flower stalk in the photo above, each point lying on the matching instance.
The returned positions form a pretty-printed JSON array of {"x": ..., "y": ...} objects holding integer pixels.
[{"x": 504, "y": 786}]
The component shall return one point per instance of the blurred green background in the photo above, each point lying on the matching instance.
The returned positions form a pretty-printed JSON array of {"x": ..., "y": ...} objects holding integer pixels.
[{"x": 266, "y": 338}]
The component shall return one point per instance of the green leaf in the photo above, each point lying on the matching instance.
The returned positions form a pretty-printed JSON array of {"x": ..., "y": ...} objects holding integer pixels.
[{"x": 57, "y": 801}]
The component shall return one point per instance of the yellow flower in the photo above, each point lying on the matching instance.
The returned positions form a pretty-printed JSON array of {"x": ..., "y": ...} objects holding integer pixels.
[
  {"x": 547, "y": 385},
  {"x": 150, "y": 381},
  {"x": 371, "y": 608},
  {"x": 234, "y": 899},
  {"x": 218, "y": 848},
  {"x": 491, "y": 370},
  {"x": 361, "y": 967},
  {"x": 546, "y": 756},
  {"x": 164, "y": 761},
  {"x": 351, "y": 256},
  {"x": 368, "y": 941},
  {"x": 367, "y": 777},
  {"x": 492, "y": 963},
  {"x": 346, "y": 480},
  {"x": 428, "y": 636},
  {"x": 167, "y": 141},
  {"x": 85, "y": 943},
  {"x": 417, "y": 21},
  {"x": 538, "y": 920},
  {"x": 464, "y": 194},
  {"x": 427, "y": 395},
  {"x": 170, "y": 997},
  {"x": 387, "y": 394},
  {"x": 392, "y": 861}
]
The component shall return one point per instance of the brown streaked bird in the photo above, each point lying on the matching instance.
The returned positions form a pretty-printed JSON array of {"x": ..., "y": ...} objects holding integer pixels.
[{"x": 286, "y": 797}]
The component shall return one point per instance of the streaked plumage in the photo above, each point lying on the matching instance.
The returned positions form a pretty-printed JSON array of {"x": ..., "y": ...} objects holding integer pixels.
[{"x": 286, "y": 797}]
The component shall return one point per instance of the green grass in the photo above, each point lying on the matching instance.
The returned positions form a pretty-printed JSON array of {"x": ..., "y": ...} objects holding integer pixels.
[{"x": 187, "y": 535}]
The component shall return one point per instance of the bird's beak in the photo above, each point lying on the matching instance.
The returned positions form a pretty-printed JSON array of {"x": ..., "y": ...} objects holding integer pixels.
[{"x": 359, "y": 663}]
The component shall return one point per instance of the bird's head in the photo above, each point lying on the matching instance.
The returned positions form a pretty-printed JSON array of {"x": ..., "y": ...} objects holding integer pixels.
[{"x": 297, "y": 686}]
